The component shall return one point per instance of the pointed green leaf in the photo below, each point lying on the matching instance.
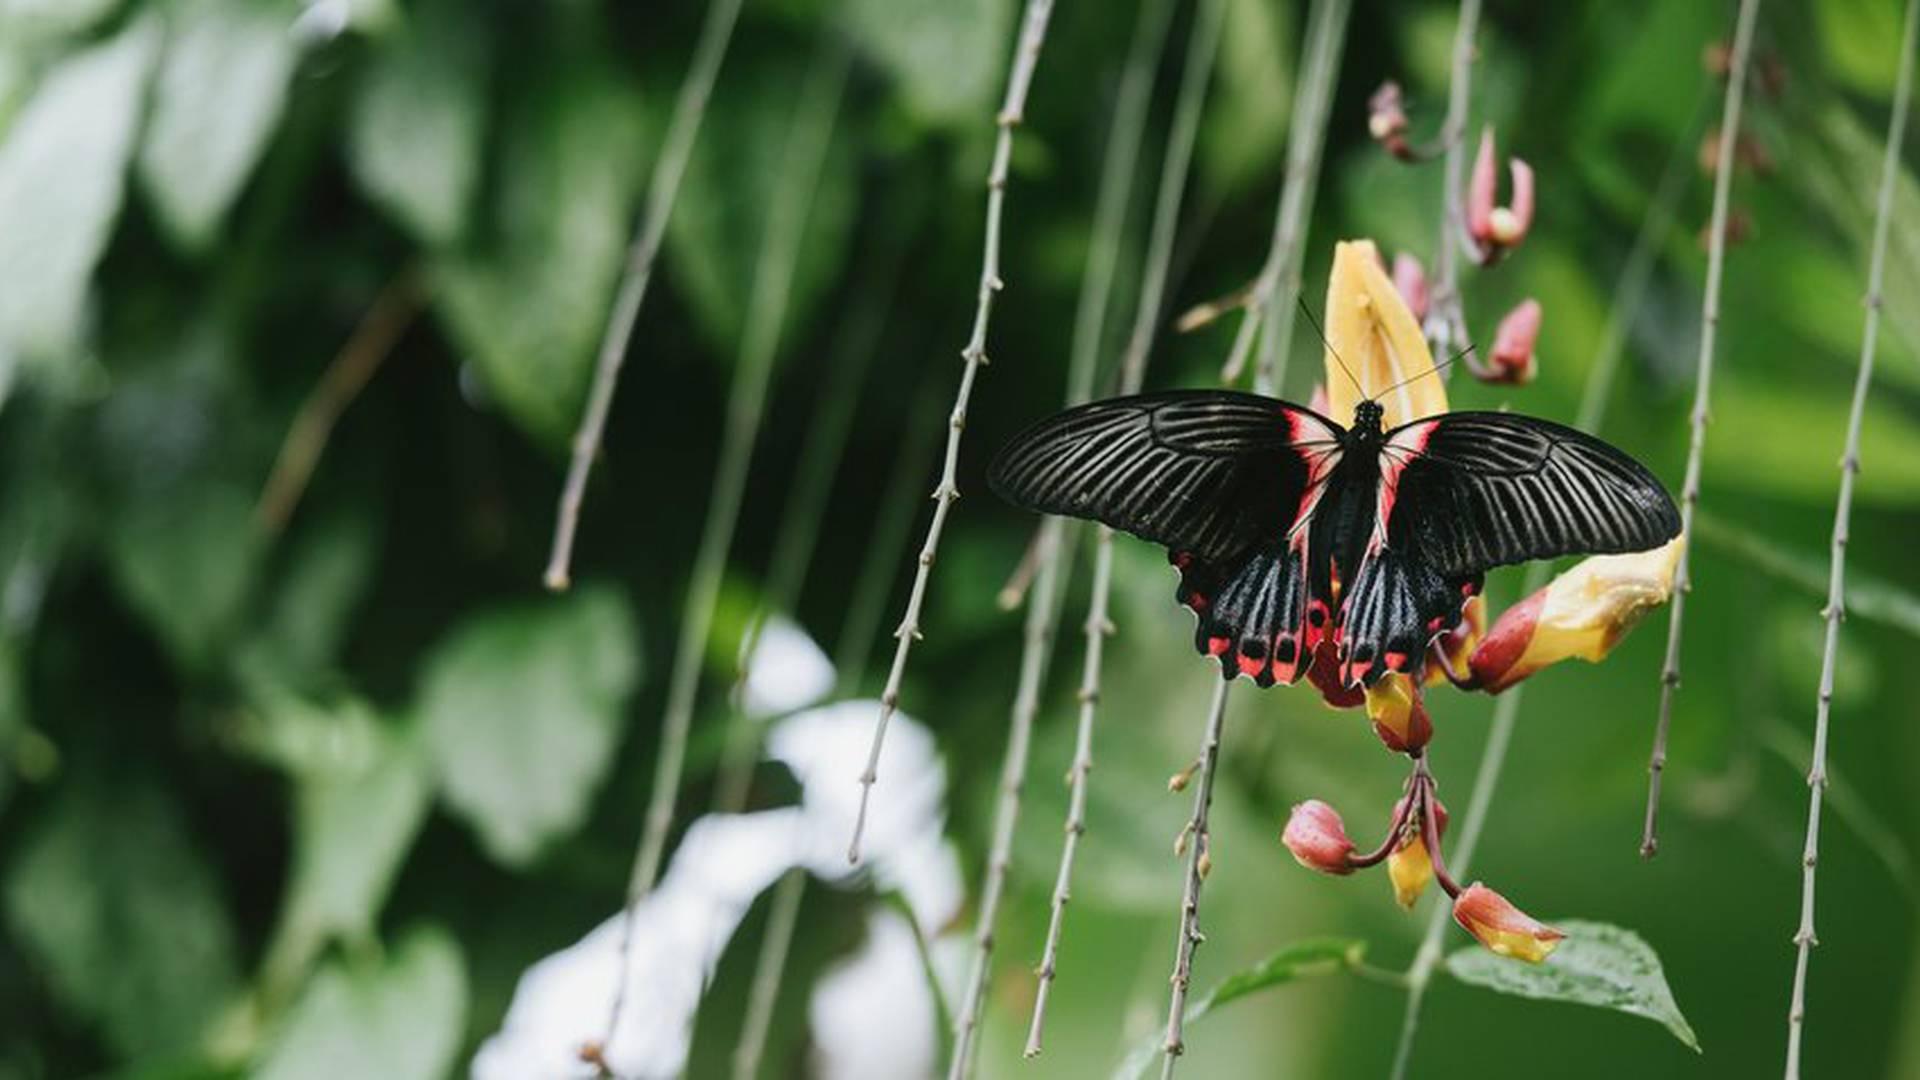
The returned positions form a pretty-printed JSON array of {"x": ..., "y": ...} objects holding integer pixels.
[
  {"x": 217, "y": 99},
  {"x": 398, "y": 1019},
  {"x": 1300, "y": 960},
  {"x": 521, "y": 709},
  {"x": 62, "y": 179},
  {"x": 1598, "y": 964},
  {"x": 186, "y": 564},
  {"x": 419, "y": 124}
]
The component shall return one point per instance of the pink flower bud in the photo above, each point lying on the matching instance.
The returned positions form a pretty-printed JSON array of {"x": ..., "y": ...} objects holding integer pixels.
[
  {"x": 1512, "y": 361},
  {"x": 1387, "y": 120},
  {"x": 1501, "y": 927},
  {"x": 1410, "y": 280},
  {"x": 1317, "y": 838},
  {"x": 1494, "y": 229}
]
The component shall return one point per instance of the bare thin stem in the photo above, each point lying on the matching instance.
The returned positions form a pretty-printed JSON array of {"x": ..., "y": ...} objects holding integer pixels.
[
  {"x": 1026, "y": 58},
  {"x": 1703, "y": 383},
  {"x": 365, "y": 350},
  {"x": 1803, "y": 938},
  {"x": 663, "y": 189},
  {"x": 1446, "y": 321},
  {"x": 1203, "y": 48},
  {"x": 1326, "y": 32},
  {"x": 803, "y": 157},
  {"x": 1304, "y": 147},
  {"x": 1043, "y": 610},
  {"x": 782, "y": 917},
  {"x": 1197, "y": 857},
  {"x": 1097, "y": 628},
  {"x": 850, "y": 358},
  {"x": 1117, "y": 170},
  {"x": 898, "y": 502}
]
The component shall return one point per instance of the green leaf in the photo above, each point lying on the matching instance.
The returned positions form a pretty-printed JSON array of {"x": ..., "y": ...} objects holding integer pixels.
[
  {"x": 327, "y": 571},
  {"x": 219, "y": 94},
  {"x": 1597, "y": 964},
  {"x": 361, "y": 788},
  {"x": 114, "y": 902},
  {"x": 187, "y": 564},
  {"x": 62, "y": 180},
  {"x": 400, "y": 1019},
  {"x": 734, "y": 177},
  {"x": 419, "y": 123},
  {"x": 1245, "y": 127},
  {"x": 521, "y": 709},
  {"x": 528, "y": 303},
  {"x": 1300, "y": 960},
  {"x": 949, "y": 57}
]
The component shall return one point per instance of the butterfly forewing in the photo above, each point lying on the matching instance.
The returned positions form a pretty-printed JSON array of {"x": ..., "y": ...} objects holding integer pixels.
[
  {"x": 1207, "y": 472},
  {"x": 1475, "y": 490}
]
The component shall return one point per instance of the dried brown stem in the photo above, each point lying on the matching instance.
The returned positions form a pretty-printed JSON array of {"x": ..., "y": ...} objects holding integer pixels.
[
  {"x": 1326, "y": 32},
  {"x": 1803, "y": 938},
  {"x": 1026, "y": 58},
  {"x": 1190, "y": 936},
  {"x": 365, "y": 350},
  {"x": 1703, "y": 384},
  {"x": 690, "y": 107}
]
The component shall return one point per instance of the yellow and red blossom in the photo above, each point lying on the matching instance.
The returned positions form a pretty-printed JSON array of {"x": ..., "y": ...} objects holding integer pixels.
[
  {"x": 1512, "y": 361},
  {"x": 1410, "y": 866},
  {"x": 1503, "y": 928},
  {"x": 1318, "y": 838},
  {"x": 1582, "y": 613}
]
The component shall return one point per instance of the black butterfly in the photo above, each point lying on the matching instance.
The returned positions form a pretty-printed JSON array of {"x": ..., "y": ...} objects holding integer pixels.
[{"x": 1289, "y": 529}]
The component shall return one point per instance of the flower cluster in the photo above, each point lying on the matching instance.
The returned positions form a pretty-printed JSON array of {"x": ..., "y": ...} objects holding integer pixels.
[{"x": 1373, "y": 325}]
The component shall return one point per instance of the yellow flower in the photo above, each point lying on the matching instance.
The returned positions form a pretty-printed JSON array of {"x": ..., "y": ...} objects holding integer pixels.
[
  {"x": 1583, "y": 613},
  {"x": 1503, "y": 928},
  {"x": 1370, "y": 328}
]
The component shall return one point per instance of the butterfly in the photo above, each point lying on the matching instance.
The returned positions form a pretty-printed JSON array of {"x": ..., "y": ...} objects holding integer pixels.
[{"x": 1291, "y": 531}]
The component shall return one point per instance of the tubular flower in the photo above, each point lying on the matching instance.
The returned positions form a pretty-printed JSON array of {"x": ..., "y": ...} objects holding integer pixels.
[
  {"x": 1512, "y": 362},
  {"x": 1493, "y": 230},
  {"x": 1582, "y": 613},
  {"x": 1410, "y": 866},
  {"x": 1503, "y": 928},
  {"x": 1399, "y": 716},
  {"x": 1317, "y": 838},
  {"x": 1371, "y": 328}
]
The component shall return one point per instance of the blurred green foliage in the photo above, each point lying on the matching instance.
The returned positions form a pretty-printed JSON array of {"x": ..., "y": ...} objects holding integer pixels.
[{"x": 305, "y": 802}]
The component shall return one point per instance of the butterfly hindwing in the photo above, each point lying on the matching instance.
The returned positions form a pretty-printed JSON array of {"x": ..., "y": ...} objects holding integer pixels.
[
  {"x": 1208, "y": 472},
  {"x": 1469, "y": 491}
]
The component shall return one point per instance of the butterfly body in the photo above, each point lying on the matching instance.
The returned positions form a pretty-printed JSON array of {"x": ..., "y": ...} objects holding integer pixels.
[{"x": 1295, "y": 535}]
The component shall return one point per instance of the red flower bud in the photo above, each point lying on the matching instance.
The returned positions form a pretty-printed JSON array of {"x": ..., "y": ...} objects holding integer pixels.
[
  {"x": 1512, "y": 362},
  {"x": 1410, "y": 280},
  {"x": 1501, "y": 927},
  {"x": 1317, "y": 838},
  {"x": 1492, "y": 229}
]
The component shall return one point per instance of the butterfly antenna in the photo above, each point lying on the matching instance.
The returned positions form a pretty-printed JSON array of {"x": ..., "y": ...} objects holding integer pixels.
[
  {"x": 1322, "y": 334},
  {"x": 1430, "y": 371}
]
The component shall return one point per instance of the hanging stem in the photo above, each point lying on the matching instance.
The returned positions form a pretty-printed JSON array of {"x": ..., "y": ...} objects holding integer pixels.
[
  {"x": 1803, "y": 938},
  {"x": 1026, "y": 58},
  {"x": 1703, "y": 382},
  {"x": 1313, "y": 95},
  {"x": 689, "y": 108},
  {"x": 803, "y": 156},
  {"x": 1446, "y": 321},
  {"x": 1203, "y": 47},
  {"x": 1198, "y": 860}
]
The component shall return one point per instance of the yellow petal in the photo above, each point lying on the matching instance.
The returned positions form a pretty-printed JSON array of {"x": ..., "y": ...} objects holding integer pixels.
[
  {"x": 1410, "y": 868},
  {"x": 1370, "y": 327},
  {"x": 1591, "y": 607}
]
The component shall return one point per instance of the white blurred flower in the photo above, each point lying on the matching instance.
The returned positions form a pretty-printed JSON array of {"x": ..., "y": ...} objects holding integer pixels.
[
  {"x": 722, "y": 865},
  {"x": 787, "y": 672},
  {"x": 871, "y": 1016}
]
